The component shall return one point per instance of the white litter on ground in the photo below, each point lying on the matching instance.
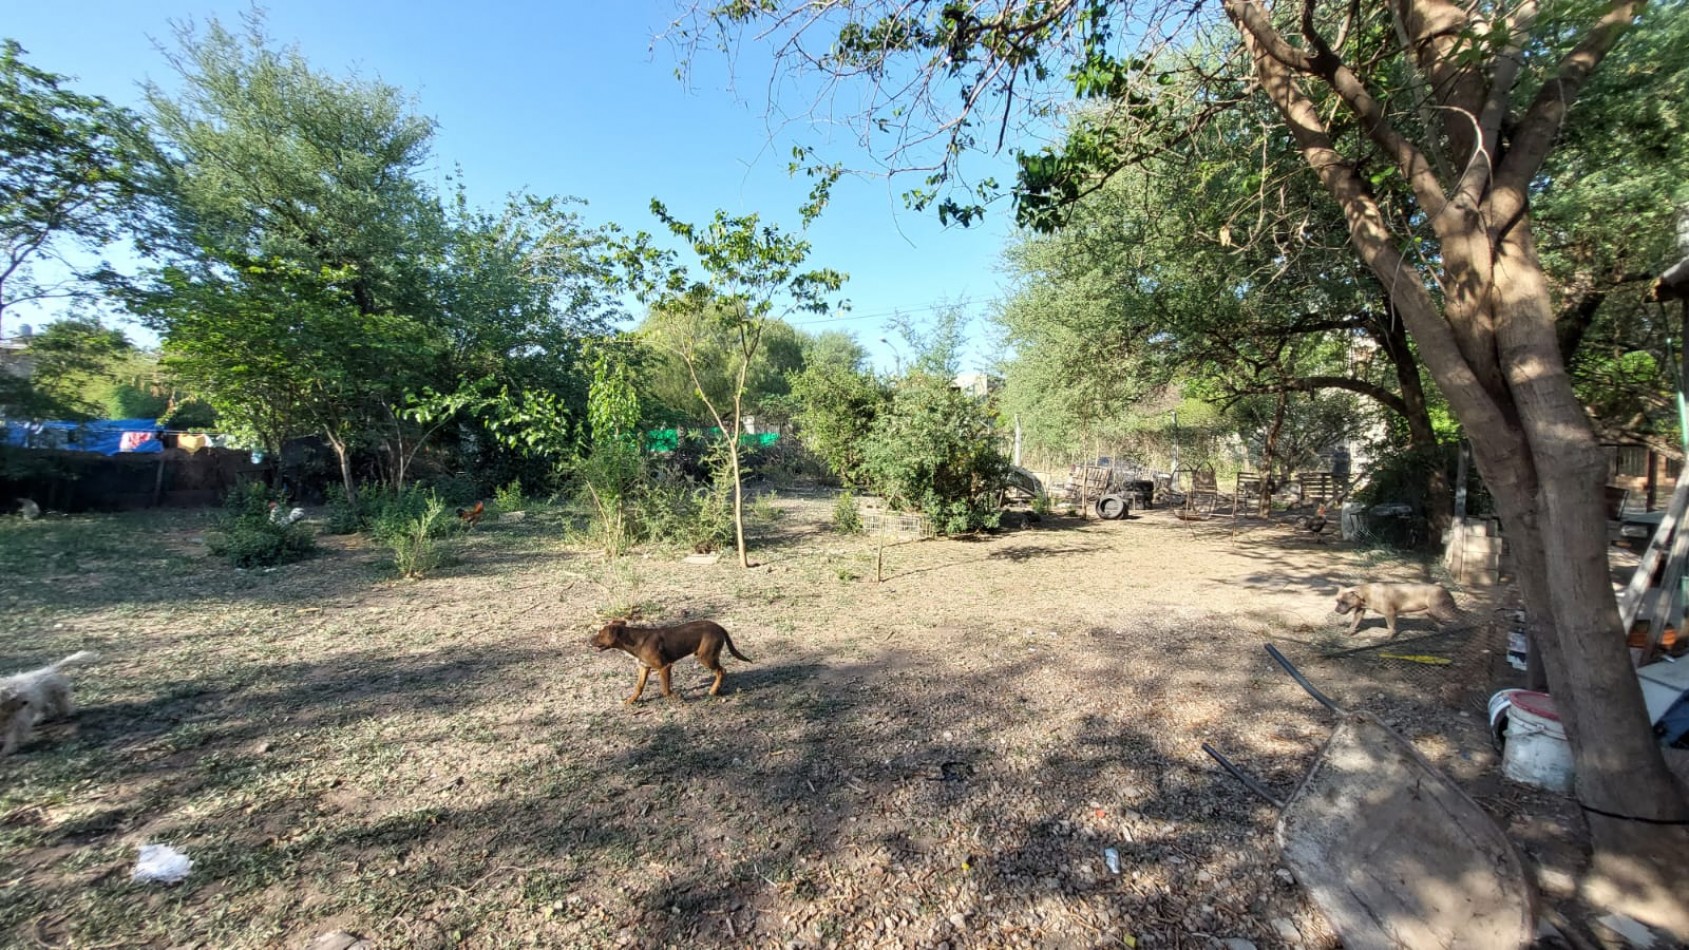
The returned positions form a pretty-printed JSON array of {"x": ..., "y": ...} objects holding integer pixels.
[{"x": 161, "y": 863}]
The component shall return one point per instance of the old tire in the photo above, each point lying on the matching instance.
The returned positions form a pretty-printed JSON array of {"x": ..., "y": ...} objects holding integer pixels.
[{"x": 1113, "y": 507}]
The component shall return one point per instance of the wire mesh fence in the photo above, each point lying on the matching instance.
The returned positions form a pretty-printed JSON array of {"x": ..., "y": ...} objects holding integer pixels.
[{"x": 897, "y": 525}]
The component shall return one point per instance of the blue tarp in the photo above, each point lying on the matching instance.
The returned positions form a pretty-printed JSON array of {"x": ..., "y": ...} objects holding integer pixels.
[{"x": 103, "y": 436}]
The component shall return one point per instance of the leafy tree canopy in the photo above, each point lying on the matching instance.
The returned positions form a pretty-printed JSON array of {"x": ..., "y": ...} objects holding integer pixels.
[{"x": 66, "y": 171}]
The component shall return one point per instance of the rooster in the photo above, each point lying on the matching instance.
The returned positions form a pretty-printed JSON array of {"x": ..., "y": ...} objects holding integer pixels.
[
  {"x": 472, "y": 516},
  {"x": 286, "y": 519}
]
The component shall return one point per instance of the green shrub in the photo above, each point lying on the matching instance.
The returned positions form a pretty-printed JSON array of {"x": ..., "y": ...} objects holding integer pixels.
[
  {"x": 510, "y": 497},
  {"x": 846, "y": 519},
  {"x": 415, "y": 542},
  {"x": 247, "y": 534},
  {"x": 838, "y": 406},
  {"x": 339, "y": 517},
  {"x": 935, "y": 450},
  {"x": 387, "y": 513},
  {"x": 1041, "y": 505},
  {"x": 762, "y": 510},
  {"x": 669, "y": 509}
]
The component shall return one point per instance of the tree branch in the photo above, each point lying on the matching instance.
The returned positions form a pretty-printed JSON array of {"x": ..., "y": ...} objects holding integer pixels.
[
  {"x": 1309, "y": 384},
  {"x": 1435, "y": 32},
  {"x": 1252, "y": 21},
  {"x": 1457, "y": 371},
  {"x": 1534, "y": 134}
]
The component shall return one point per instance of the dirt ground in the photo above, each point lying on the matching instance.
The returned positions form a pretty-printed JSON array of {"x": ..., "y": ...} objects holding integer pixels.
[{"x": 938, "y": 760}]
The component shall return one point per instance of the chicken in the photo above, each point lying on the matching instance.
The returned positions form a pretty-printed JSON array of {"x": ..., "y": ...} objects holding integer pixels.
[
  {"x": 290, "y": 517},
  {"x": 472, "y": 516}
]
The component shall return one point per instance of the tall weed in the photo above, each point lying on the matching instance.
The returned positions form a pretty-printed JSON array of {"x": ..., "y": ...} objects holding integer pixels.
[{"x": 416, "y": 543}]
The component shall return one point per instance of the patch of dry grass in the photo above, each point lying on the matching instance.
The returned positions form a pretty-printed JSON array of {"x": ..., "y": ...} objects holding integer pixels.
[{"x": 938, "y": 759}]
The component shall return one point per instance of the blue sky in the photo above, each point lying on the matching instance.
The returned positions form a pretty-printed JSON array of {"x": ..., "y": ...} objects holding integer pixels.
[{"x": 574, "y": 99}]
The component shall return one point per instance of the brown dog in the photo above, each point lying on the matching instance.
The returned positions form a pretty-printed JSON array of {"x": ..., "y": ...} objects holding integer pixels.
[
  {"x": 657, "y": 648},
  {"x": 1393, "y": 599}
]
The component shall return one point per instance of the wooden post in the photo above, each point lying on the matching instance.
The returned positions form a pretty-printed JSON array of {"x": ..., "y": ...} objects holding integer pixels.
[
  {"x": 158, "y": 480},
  {"x": 1460, "y": 482},
  {"x": 1653, "y": 479},
  {"x": 880, "y": 555}
]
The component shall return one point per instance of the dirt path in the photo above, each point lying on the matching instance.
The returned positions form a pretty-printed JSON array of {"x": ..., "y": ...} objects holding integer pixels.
[{"x": 937, "y": 760}]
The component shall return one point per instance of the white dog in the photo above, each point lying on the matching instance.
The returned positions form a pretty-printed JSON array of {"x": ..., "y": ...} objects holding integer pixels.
[{"x": 28, "y": 698}]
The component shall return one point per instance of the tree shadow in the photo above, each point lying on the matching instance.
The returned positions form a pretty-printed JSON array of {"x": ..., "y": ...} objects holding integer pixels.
[{"x": 821, "y": 800}]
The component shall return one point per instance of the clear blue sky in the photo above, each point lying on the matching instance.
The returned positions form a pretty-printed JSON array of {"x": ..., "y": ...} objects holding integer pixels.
[{"x": 572, "y": 99}]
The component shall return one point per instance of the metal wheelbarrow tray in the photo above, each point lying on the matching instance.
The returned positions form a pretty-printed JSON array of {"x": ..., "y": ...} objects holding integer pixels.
[{"x": 1393, "y": 852}]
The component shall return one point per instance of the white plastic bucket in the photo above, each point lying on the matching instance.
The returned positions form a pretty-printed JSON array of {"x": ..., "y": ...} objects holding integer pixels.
[{"x": 1536, "y": 752}]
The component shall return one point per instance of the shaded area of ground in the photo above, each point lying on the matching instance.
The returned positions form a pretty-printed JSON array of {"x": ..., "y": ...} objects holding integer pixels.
[{"x": 938, "y": 759}]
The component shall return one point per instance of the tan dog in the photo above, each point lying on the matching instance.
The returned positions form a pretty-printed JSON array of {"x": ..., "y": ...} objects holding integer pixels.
[
  {"x": 28, "y": 698},
  {"x": 1393, "y": 599},
  {"x": 657, "y": 648}
]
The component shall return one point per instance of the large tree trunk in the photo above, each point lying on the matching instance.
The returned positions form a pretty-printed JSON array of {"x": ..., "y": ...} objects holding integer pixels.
[
  {"x": 1422, "y": 438},
  {"x": 1490, "y": 343},
  {"x": 1620, "y": 769}
]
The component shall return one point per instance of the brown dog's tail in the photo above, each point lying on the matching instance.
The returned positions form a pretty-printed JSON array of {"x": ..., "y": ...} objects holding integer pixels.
[{"x": 728, "y": 639}]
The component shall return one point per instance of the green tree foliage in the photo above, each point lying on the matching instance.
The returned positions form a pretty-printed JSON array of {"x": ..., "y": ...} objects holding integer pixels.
[
  {"x": 833, "y": 348},
  {"x": 315, "y": 284},
  {"x": 1612, "y": 200},
  {"x": 937, "y": 450},
  {"x": 74, "y": 364},
  {"x": 1232, "y": 295},
  {"x": 65, "y": 175},
  {"x": 837, "y": 404},
  {"x": 751, "y": 277},
  {"x": 521, "y": 294},
  {"x": 298, "y": 298},
  {"x": 712, "y": 343}
]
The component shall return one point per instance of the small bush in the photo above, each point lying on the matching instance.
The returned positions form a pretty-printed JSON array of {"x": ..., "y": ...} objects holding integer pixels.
[
  {"x": 1041, "y": 505},
  {"x": 247, "y": 534},
  {"x": 339, "y": 516},
  {"x": 605, "y": 526},
  {"x": 510, "y": 497},
  {"x": 415, "y": 543},
  {"x": 762, "y": 510},
  {"x": 670, "y": 509},
  {"x": 624, "y": 585},
  {"x": 935, "y": 450},
  {"x": 388, "y": 514},
  {"x": 846, "y": 519}
]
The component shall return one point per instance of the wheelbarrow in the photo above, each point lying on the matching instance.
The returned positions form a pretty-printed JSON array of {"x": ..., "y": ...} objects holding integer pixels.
[{"x": 1390, "y": 849}]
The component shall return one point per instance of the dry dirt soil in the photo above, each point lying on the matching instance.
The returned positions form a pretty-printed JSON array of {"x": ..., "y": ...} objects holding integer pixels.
[{"x": 936, "y": 760}]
